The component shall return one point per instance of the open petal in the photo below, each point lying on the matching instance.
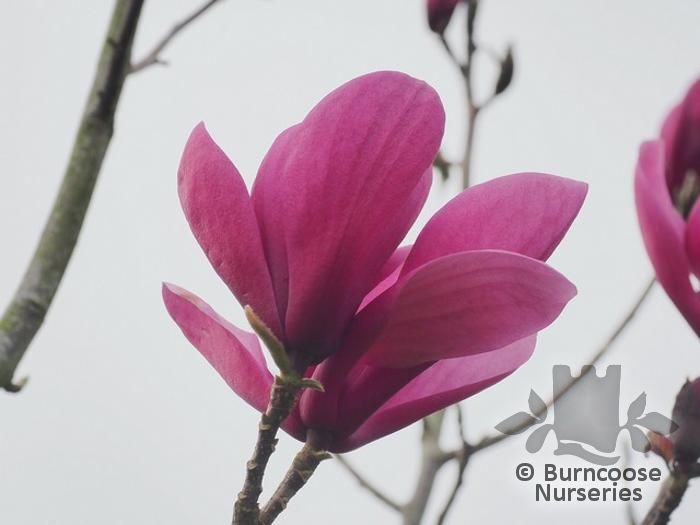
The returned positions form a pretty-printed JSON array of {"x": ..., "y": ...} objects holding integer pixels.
[
  {"x": 388, "y": 275},
  {"x": 663, "y": 230},
  {"x": 468, "y": 303},
  {"x": 217, "y": 206},
  {"x": 234, "y": 353},
  {"x": 526, "y": 213},
  {"x": 337, "y": 193},
  {"x": 443, "y": 384}
]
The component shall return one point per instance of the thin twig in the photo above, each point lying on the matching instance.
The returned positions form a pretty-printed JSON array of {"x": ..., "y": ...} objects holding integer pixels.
[
  {"x": 472, "y": 108},
  {"x": 27, "y": 310},
  {"x": 462, "y": 462},
  {"x": 367, "y": 485},
  {"x": 153, "y": 57},
  {"x": 489, "y": 441},
  {"x": 450, "y": 53},
  {"x": 433, "y": 458},
  {"x": 627, "y": 463},
  {"x": 302, "y": 468}
]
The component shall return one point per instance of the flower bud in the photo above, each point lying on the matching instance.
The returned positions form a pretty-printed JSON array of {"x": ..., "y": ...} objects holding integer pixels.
[
  {"x": 440, "y": 13},
  {"x": 686, "y": 414},
  {"x": 506, "y": 74}
]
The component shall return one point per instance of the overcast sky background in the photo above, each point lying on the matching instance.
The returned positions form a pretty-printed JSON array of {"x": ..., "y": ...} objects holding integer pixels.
[{"x": 124, "y": 423}]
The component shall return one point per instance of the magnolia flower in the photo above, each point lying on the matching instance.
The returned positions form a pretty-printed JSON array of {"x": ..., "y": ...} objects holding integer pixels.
[
  {"x": 393, "y": 334},
  {"x": 440, "y": 13},
  {"x": 666, "y": 190}
]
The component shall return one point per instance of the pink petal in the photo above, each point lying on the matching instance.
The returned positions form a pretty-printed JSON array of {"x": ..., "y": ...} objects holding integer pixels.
[
  {"x": 234, "y": 353},
  {"x": 468, "y": 303},
  {"x": 526, "y": 213},
  {"x": 664, "y": 231},
  {"x": 681, "y": 136},
  {"x": 320, "y": 409},
  {"x": 388, "y": 275},
  {"x": 692, "y": 238},
  {"x": 337, "y": 193},
  {"x": 446, "y": 382},
  {"x": 216, "y": 203}
]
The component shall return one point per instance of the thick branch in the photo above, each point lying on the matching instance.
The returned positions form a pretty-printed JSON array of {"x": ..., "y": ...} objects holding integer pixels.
[
  {"x": 282, "y": 399},
  {"x": 303, "y": 466},
  {"x": 31, "y": 301},
  {"x": 153, "y": 57},
  {"x": 489, "y": 441}
]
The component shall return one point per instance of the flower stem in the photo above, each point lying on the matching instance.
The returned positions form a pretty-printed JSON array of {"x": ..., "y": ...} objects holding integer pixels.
[
  {"x": 671, "y": 494},
  {"x": 282, "y": 400},
  {"x": 303, "y": 466}
]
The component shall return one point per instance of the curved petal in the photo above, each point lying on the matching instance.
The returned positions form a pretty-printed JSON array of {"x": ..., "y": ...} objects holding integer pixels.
[
  {"x": 663, "y": 230},
  {"x": 468, "y": 303},
  {"x": 337, "y": 193},
  {"x": 526, "y": 213},
  {"x": 216, "y": 203},
  {"x": 446, "y": 382},
  {"x": 388, "y": 275},
  {"x": 681, "y": 136},
  {"x": 234, "y": 353}
]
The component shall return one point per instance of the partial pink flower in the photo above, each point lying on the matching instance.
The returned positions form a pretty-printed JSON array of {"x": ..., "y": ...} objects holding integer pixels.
[
  {"x": 440, "y": 14},
  {"x": 667, "y": 186},
  {"x": 393, "y": 333}
]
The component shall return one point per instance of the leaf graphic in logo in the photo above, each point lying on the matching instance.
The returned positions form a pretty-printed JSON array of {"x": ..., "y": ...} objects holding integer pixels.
[
  {"x": 640, "y": 443},
  {"x": 536, "y": 440},
  {"x": 516, "y": 423},
  {"x": 636, "y": 409},
  {"x": 657, "y": 422},
  {"x": 537, "y": 406}
]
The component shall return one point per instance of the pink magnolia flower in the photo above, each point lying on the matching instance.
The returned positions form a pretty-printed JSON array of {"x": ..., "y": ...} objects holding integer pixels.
[
  {"x": 666, "y": 191},
  {"x": 440, "y": 14},
  {"x": 392, "y": 333}
]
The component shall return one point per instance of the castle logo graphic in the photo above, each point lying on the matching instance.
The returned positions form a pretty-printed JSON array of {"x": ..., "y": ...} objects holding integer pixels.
[{"x": 586, "y": 418}]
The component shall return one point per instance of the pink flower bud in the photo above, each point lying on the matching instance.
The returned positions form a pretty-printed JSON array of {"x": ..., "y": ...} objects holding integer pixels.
[
  {"x": 440, "y": 13},
  {"x": 686, "y": 414}
]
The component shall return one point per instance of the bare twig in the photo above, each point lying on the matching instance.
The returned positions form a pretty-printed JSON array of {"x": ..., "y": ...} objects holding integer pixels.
[
  {"x": 303, "y": 466},
  {"x": 367, "y": 485},
  {"x": 433, "y": 458},
  {"x": 627, "y": 462},
  {"x": 464, "y": 453},
  {"x": 25, "y": 314},
  {"x": 153, "y": 57},
  {"x": 489, "y": 441},
  {"x": 472, "y": 108}
]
